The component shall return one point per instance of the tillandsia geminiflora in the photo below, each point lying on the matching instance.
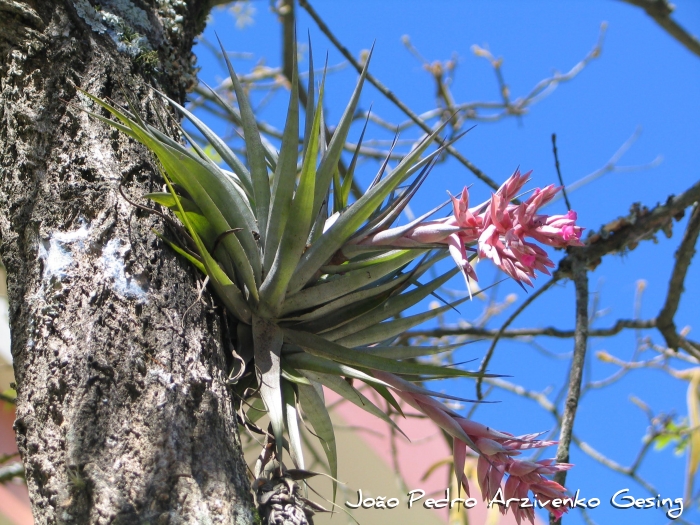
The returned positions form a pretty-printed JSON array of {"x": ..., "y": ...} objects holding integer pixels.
[{"x": 318, "y": 283}]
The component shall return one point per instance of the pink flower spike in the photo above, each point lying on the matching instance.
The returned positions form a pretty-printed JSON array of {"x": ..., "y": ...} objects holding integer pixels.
[
  {"x": 463, "y": 216},
  {"x": 522, "y": 443},
  {"x": 490, "y": 477},
  {"x": 443, "y": 420},
  {"x": 523, "y": 513},
  {"x": 550, "y": 488},
  {"x": 568, "y": 232},
  {"x": 477, "y": 430},
  {"x": 516, "y": 488},
  {"x": 459, "y": 452},
  {"x": 495, "y": 452},
  {"x": 520, "y": 468},
  {"x": 460, "y": 206},
  {"x": 459, "y": 255},
  {"x": 512, "y": 186},
  {"x": 493, "y": 448}
]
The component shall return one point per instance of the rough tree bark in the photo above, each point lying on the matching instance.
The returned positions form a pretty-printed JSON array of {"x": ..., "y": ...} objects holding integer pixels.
[{"x": 122, "y": 414}]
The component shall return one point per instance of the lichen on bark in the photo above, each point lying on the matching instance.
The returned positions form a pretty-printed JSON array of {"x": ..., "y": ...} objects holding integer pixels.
[
  {"x": 122, "y": 21},
  {"x": 123, "y": 414}
]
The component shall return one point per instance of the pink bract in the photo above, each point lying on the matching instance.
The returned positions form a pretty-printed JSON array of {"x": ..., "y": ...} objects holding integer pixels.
[
  {"x": 498, "y": 228},
  {"x": 496, "y": 452}
]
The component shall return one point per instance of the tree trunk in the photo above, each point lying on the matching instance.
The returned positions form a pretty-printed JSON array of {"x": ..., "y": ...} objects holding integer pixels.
[{"x": 123, "y": 415}]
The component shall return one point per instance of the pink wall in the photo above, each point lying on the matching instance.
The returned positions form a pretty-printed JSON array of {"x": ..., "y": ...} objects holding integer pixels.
[
  {"x": 415, "y": 457},
  {"x": 14, "y": 501}
]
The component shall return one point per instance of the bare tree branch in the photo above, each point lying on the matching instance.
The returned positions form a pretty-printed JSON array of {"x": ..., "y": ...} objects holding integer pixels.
[
  {"x": 625, "y": 233},
  {"x": 12, "y": 471},
  {"x": 549, "y": 331},
  {"x": 684, "y": 255},
  {"x": 576, "y": 372},
  {"x": 388, "y": 94},
  {"x": 660, "y": 11},
  {"x": 487, "y": 358},
  {"x": 611, "y": 166},
  {"x": 542, "y": 89},
  {"x": 286, "y": 12},
  {"x": 556, "y": 165},
  {"x": 7, "y": 399}
]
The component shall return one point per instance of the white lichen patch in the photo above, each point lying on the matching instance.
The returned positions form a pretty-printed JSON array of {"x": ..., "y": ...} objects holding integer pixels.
[
  {"x": 64, "y": 251},
  {"x": 124, "y": 22},
  {"x": 171, "y": 17},
  {"x": 90, "y": 15},
  {"x": 98, "y": 155},
  {"x": 59, "y": 251},
  {"x": 133, "y": 15},
  {"x": 160, "y": 375},
  {"x": 114, "y": 270}
]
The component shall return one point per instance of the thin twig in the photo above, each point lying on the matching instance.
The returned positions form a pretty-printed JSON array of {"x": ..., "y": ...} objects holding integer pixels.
[
  {"x": 12, "y": 471},
  {"x": 684, "y": 255},
  {"x": 549, "y": 331},
  {"x": 538, "y": 397},
  {"x": 576, "y": 372},
  {"x": 660, "y": 11},
  {"x": 556, "y": 164},
  {"x": 611, "y": 166},
  {"x": 487, "y": 358},
  {"x": 389, "y": 95},
  {"x": 8, "y": 399}
]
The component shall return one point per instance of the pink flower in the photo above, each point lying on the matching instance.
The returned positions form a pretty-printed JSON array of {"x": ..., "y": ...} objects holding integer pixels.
[
  {"x": 498, "y": 228},
  {"x": 463, "y": 216},
  {"x": 496, "y": 452},
  {"x": 505, "y": 227}
]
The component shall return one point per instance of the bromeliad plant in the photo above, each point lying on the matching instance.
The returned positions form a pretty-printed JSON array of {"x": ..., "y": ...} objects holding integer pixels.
[{"x": 317, "y": 283}]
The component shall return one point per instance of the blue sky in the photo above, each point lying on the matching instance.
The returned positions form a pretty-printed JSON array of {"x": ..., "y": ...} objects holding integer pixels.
[{"x": 642, "y": 79}]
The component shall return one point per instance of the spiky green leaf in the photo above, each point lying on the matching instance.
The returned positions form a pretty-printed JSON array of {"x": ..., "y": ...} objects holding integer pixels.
[
  {"x": 225, "y": 288},
  {"x": 318, "y": 346},
  {"x": 347, "y": 283},
  {"x": 255, "y": 151},
  {"x": 267, "y": 344},
  {"x": 389, "y": 329},
  {"x": 292, "y": 424},
  {"x": 329, "y": 163},
  {"x": 297, "y": 230},
  {"x": 350, "y": 393},
  {"x": 389, "y": 308},
  {"x": 285, "y": 175},
  {"x": 228, "y": 156},
  {"x": 305, "y": 361},
  {"x": 195, "y": 262},
  {"x": 315, "y": 412},
  {"x": 351, "y": 219}
]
